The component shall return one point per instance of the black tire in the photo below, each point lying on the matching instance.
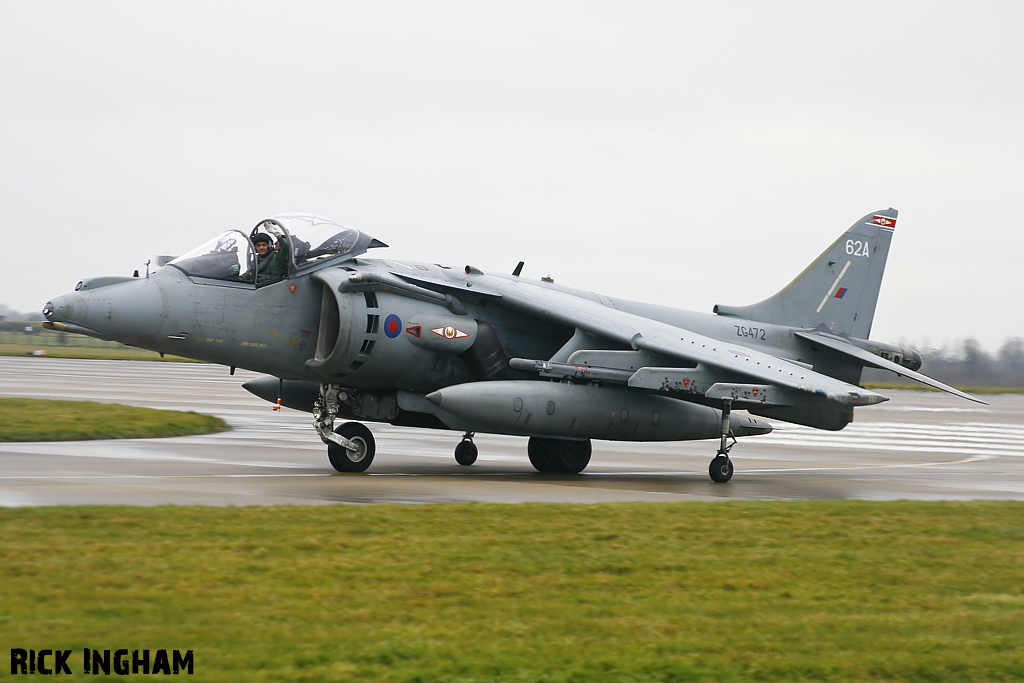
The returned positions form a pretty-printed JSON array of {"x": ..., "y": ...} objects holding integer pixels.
[
  {"x": 465, "y": 453},
  {"x": 555, "y": 455},
  {"x": 572, "y": 457},
  {"x": 345, "y": 461},
  {"x": 720, "y": 469},
  {"x": 540, "y": 452}
]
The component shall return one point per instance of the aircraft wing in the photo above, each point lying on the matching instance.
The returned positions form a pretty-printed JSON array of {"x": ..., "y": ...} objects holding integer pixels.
[
  {"x": 668, "y": 340},
  {"x": 845, "y": 348},
  {"x": 456, "y": 288}
]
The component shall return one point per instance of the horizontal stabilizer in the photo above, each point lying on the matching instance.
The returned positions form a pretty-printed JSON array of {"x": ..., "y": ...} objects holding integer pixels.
[{"x": 845, "y": 348}]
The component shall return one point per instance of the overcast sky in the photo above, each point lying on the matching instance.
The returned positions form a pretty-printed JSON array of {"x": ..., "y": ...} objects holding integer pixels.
[{"x": 683, "y": 153}]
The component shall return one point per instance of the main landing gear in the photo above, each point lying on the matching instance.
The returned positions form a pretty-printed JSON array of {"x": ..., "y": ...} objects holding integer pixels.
[
  {"x": 721, "y": 466},
  {"x": 466, "y": 452},
  {"x": 558, "y": 455},
  {"x": 350, "y": 447}
]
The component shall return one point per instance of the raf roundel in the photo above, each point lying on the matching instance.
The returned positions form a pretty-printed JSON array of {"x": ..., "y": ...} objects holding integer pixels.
[{"x": 392, "y": 326}]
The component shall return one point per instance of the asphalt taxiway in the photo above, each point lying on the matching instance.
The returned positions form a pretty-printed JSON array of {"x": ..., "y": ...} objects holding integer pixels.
[{"x": 916, "y": 446}]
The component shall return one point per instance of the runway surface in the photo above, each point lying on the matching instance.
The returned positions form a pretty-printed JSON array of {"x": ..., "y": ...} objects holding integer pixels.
[{"x": 917, "y": 446}]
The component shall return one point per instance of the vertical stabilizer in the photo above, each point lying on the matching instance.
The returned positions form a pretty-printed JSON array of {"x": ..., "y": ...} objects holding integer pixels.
[{"x": 839, "y": 289}]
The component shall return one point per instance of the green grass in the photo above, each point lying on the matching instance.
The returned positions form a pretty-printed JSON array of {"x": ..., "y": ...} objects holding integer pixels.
[
  {"x": 119, "y": 352},
  {"x": 54, "y": 344},
  {"x": 763, "y": 591},
  {"x": 27, "y": 419}
]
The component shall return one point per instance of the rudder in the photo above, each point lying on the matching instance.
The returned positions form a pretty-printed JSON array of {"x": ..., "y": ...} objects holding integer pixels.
[{"x": 839, "y": 289}]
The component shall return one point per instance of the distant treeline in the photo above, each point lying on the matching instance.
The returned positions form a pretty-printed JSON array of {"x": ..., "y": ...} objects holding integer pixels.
[
  {"x": 21, "y": 325},
  {"x": 967, "y": 364}
]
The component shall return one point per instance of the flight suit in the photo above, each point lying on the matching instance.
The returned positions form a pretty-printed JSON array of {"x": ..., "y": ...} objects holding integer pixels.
[{"x": 273, "y": 265}]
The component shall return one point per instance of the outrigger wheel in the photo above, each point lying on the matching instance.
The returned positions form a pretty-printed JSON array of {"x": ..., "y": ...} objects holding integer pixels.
[
  {"x": 720, "y": 468},
  {"x": 466, "y": 451},
  {"x": 358, "y": 459}
]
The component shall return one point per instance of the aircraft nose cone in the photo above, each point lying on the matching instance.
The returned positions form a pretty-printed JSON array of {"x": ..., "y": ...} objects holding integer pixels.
[
  {"x": 124, "y": 311},
  {"x": 68, "y": 308}
]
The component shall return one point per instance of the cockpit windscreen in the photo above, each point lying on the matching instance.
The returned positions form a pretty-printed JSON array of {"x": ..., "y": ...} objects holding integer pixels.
[
  {"x": 297, "y": 242},
  {"x": 229, "y": 256}
]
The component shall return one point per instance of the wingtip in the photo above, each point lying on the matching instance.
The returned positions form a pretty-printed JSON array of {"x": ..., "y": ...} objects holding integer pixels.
[{"x": 974, "y": 398}]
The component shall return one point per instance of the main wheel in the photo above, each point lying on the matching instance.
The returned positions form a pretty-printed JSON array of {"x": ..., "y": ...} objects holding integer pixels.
[
  {"x": 720, "y": 469},
  {"x": 541, "y": 454},
  {"x": 572, "y": 457},
  {"x": 356, "y": 460},
  {"x": 556, "y": 455},
  {"x": 466, "y": 452}
]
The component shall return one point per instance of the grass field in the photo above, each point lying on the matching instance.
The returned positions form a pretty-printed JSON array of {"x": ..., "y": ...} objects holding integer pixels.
[
  {"x": 28, "y": 419},
  {"x": 764, "y": 591},
  {"x": 119, "y": 352},
  {"x": 54, "y": 344}
]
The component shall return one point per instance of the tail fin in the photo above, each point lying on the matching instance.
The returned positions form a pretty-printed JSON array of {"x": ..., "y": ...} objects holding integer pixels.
[{"x": 839, "y": 289}]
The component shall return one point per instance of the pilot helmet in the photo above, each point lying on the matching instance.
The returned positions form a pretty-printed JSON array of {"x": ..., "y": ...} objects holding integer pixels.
[{"x": 262, "y": 237}]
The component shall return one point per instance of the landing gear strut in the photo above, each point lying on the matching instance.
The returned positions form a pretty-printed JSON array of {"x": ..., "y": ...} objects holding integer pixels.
[
  {"x": 558, "y": 455},
  {"x": 466, "y": 452},
  {"x": 350, "y": 447},
  {"x": 721, "y": 466}
]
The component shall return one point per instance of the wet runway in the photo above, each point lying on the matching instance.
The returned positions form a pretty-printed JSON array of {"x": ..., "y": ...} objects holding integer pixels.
[{"x": 917, "y": 446}]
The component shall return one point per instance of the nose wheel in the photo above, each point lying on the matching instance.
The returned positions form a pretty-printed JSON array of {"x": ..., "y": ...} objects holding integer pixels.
[
  {"x": 358, "y": 455},
  {"x": 466, "y": 451}
]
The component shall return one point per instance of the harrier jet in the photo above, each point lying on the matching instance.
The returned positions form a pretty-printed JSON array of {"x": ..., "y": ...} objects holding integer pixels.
[{"x": 419, "y": 344}]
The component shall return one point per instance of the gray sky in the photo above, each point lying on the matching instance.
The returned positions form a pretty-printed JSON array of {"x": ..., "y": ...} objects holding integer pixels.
[{"x": 682, "y": 153}]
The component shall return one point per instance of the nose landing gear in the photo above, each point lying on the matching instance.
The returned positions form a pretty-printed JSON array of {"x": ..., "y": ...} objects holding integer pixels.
[
  {"x": 356, "y": 457},
  {"x": 350, "y": 447}
]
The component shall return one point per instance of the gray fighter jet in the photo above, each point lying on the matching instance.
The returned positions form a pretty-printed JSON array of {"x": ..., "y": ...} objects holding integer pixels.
[{"x": 420, "y": 344}]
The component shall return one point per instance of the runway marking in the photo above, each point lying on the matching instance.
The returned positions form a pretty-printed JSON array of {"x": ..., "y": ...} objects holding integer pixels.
[
  {"x": 977, "y": 458},
  {"x": 79, "y": 477}
]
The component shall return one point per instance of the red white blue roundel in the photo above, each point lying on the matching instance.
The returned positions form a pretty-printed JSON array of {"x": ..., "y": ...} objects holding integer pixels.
[{"x": 392, "y": 326}]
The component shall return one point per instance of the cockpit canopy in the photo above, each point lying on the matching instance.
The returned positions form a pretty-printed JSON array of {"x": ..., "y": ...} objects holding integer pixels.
[{"x": 308, "y": 242}]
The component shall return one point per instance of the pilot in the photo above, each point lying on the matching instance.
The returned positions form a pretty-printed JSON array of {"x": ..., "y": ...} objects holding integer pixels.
[{"x": 271, "y": 264}]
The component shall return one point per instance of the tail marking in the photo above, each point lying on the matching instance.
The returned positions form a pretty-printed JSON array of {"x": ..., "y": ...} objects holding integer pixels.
[{"x": 833, "y": 287}]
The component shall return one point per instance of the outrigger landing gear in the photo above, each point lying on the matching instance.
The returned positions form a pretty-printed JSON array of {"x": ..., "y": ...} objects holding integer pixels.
[
  {"x": 721, "y": 466},
  {"x": 350, "y": 447},
  {"x": 466, "y": 452}
]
